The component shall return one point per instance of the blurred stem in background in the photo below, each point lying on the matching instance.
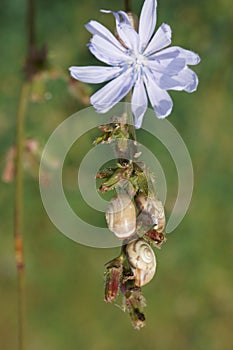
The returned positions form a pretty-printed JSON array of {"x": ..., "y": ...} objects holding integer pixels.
[
  {"x": 18, "y": 218},
  {"x": 35, "y": 60}
]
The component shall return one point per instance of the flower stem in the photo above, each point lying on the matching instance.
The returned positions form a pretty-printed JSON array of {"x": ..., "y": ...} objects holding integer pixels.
[
  {"x": 127, "y": 5},
  {"x": 130, "y": 117},
  {"x": 18, "y": 211}
]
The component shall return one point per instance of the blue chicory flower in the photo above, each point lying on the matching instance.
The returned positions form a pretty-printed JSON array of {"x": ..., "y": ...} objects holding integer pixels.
[{"x": 138, "y": 60}]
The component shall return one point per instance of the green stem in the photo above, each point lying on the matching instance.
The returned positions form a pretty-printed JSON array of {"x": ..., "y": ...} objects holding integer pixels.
[
  {"x": 130, "y": 116},
  {"x": 18, "y": 211}
]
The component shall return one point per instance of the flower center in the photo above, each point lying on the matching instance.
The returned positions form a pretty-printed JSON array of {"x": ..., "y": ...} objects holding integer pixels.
[{"x": 138, "y": 60}]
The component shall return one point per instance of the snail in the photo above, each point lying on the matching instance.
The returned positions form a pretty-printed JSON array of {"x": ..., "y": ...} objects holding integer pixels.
[
  {"x": 151, "y": 213},
  {"x": 121, "y": 216},
  {"x": 142, "y": 261}
]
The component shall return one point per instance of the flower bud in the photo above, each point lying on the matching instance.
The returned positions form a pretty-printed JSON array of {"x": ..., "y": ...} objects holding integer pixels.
[
  {"x": 113, "y": 276},
  {"x": 134, "y": 304}
]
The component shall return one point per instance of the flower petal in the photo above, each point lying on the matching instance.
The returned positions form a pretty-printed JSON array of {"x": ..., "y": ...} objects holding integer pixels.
[
  {"x": 97, "y": 28},
  {"x": 160, "y": 99},
  {"x": 113, "y": 92},
  {"x": 94, "y": 74},
  {"x": 186, "y": 80},
  {"x": 165, "y": 54},
  {"x": 169, "y": 67},
  {"x": 190, "y": 78},
  {"x": 105, "y": 51},
  {"x": 147, "y": 22},
  {"x": 125, "y": 30},
  {"x": 139, "y": 102},
  {"x": 161, "y": 39},
  {"x": 190, "y": 57}
]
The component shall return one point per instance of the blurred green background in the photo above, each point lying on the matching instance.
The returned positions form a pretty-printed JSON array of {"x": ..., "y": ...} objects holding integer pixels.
[{"x": 190, "y": 300}]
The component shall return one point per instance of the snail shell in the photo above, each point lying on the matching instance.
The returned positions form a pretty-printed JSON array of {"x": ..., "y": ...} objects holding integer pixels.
[
  {"x": 121, "y": 216},
  {"x": 151, "y": 212},
  {"x": 142, "y": 260}
]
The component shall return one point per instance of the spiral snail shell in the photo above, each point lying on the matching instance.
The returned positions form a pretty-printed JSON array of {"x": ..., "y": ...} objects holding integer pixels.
[
  {"x": 151, "y": 212},
  {"x": 142, "y": 261},
  {"x": 121, "y": 216}
]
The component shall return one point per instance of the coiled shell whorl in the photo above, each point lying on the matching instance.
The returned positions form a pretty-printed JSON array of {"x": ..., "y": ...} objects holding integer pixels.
[
  {"x": 151, "y": 213},
  {"x": 121, "y": 216},
  {"x": 142, "y": 261}
]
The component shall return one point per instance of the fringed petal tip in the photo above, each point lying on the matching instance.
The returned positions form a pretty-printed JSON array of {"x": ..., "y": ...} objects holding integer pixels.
[
  {"x": 147, "y": 22},
  {"x": 72, "y": 70},
  {"x": 193, "y": 84},
  {"x": 94, "y": 74},
  {"x": 163, "y": 109},
  {"x": 160, "y": 40},
  {"x": 190, "y": 57}
]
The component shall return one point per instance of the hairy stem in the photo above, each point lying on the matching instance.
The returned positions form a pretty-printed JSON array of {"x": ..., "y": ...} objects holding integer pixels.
[{"x": 18, "y": 211}]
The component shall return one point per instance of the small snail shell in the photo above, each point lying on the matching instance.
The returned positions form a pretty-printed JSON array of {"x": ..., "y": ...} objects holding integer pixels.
[
  {"x": 121, "y": 216},
  {"x": 142, "y": 260},
  {"x": 152, "y": 212}
]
